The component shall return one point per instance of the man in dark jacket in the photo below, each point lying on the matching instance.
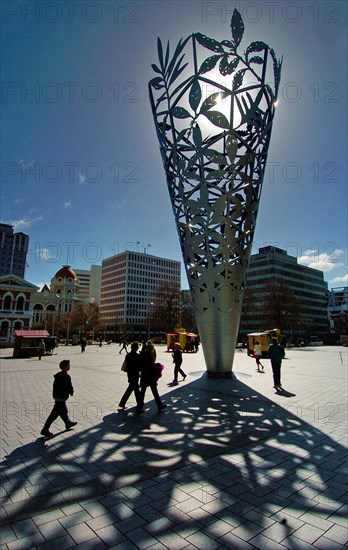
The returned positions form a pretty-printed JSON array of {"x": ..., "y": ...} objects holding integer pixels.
[
  {"x": 62, "y": 388},
  {"x": 276, "y": 354},
  {"x": 133, "y": 365}
]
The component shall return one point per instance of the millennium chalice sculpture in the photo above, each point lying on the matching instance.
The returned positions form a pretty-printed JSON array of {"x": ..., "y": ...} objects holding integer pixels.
[{"x": 213, "y": 117}]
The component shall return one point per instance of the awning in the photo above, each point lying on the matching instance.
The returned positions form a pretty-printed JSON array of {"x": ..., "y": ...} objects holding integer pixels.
[{"x": 32, "y": 333}]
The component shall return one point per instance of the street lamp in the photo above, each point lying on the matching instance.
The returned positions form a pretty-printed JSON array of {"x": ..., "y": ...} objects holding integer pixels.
[{"x": 149, "y": 320}]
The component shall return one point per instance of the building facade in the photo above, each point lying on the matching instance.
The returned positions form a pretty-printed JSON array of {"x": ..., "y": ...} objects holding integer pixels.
[
  {"x": 13, "y": 251},
  {"x": 298, "y": 295},
  {"x": 16, "y": 301},
  {"x": 130, "y": 284},
  {"x": 338, "y": 310},
  {"x": 89, "y": 282}
]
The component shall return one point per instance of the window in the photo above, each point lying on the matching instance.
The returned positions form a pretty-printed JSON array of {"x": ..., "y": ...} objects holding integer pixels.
[
  {"x": 20, "y": 303},
  {"x": 7, "y": 302}
]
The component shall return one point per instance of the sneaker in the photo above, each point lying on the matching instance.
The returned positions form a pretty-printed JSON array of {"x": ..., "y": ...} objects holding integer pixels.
[
  {"x": 46, "y": 433},
  {"x": 184, "y": 376},
  {"x": 161, "y": 407},
  {"x": 121, "y": 407},
  {"x": 70, "y": 425}
]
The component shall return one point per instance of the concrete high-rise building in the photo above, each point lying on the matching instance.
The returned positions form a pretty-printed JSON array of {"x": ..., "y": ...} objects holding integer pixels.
[
  {"x": 338, "y": 311},
  {"x": 13, "y": 251},
  {"x": 129, "y": 287},
  {"x": 89, "y": 281},
  {"x": 302, "y": 289}
]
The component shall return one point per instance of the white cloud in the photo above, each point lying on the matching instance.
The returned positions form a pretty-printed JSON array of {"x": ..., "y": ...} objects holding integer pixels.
[
  {"x": 67, "y": 204},
  {"x": 324, "y": 262},
  {"x": 20, "y": 224},
  {"x": 343, "y": 279},
  {"x": 82, "y": 178}
]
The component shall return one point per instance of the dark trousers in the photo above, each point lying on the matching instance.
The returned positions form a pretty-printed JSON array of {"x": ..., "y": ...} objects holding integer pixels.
[
  {"x": 276, "y": 372},
  {"x": 59, "y": 409},
  {"x": 133, "y": 386},
  {"x": 154, "y": 393},
  {"x": 177, "y": 370}
]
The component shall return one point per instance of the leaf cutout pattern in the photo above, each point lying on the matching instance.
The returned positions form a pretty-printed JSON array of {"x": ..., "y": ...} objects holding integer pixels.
[
  {"x": 195, "y": 95},
  {"x": 209, "y": 43},
  {"x": 237, "y": 27}
]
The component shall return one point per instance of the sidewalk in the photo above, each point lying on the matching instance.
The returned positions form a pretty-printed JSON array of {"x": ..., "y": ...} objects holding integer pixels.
[{"x": 229, "y": 464}]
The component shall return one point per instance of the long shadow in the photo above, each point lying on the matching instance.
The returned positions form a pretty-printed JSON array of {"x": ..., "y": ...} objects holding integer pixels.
[{"x": 222, "y": 443}]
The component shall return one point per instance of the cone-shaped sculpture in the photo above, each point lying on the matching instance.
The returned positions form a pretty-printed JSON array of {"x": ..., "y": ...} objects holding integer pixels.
[{"x": 213, "y": 113}]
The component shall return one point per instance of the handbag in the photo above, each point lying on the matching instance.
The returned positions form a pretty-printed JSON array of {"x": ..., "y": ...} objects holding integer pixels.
[
  {"x": 124, "y": 366},
  {"x": 158, "y": 370}
]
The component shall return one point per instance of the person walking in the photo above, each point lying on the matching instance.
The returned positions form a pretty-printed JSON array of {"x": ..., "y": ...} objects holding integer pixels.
[
  {"x": 41, "y": 349},
  {"x": 148, "y": 376},
  {"x": 62, "y": 388},
  {"x": 276, "y": 354},
  {"x": 133, "y": 366},
  {"x": 257, "y": 356},
  {"x": 83, "y": 344},
  {"x": 177, "y": 360},
  {"x": 124, "y": 346}
]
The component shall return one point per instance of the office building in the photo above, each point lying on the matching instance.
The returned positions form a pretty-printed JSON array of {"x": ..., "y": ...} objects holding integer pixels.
[
  {"x": 13, "y": 251},
  {"x": 296, "y": 293},
  {"x": 338, "y": 310},
  {"x": 130, "y": 286},
  {"x": 89, "y": 282}
]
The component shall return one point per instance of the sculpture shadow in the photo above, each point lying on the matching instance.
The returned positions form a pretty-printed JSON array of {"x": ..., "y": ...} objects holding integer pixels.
[{"x": 219, "y": 441}]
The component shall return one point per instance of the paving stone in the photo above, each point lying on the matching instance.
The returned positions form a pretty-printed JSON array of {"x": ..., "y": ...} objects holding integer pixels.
[
  {"x": 101, "y": 521},
  {"x": 172, "y": 540},
  {"x": 141, "y": 538},
  {"x": 337, "y": 533},
  {"x": 201, "y": 540},
  {"x": 231, "y": 541},
  {"x": 7, "y": 535},
  {"x": 61, "y": 543},
  {"x": 25, "y": 542},
  {"x": 110, "y": 535},
  {"x": 75, "y": 519},
  {"x": 80, "y": 533},
  {"x": 52, "y": 530}
]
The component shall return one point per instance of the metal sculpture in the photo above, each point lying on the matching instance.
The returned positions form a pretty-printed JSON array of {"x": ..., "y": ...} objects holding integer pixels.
[{"x": 214, "y": 148}]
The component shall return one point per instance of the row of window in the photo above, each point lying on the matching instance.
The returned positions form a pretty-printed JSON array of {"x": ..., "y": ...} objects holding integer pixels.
[{"x": 10, "y": 303}]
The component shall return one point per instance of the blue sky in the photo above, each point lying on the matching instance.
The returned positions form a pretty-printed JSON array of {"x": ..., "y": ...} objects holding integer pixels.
[{"x": 81, "y": 168}]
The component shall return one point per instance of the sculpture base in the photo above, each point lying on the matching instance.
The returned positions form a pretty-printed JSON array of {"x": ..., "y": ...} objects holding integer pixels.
[{"x": 219, "y": 374}]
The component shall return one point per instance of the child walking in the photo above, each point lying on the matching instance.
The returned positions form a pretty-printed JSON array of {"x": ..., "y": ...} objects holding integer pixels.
[{"x": 62, "y": 388}]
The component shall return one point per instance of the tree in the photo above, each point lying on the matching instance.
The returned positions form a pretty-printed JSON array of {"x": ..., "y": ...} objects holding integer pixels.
[
  {"x": 84, "y": 317},
  {"x": 280, "y": 308},
  {"x": 165, "y": 315}
]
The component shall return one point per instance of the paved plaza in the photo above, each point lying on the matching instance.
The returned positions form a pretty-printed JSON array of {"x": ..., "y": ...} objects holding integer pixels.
[{"x": 229, "y": 464}]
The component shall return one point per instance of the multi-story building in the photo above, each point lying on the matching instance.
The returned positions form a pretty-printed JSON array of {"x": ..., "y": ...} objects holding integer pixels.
[
  {"x": 13, "y": 251},
  {"x": 16, "y": 299},
  {"x": 130, "y": 287},
  {"x": 338, "y": 310},
  {"x": 302, "y": 301},
  {"x": 89, "y": 282}
]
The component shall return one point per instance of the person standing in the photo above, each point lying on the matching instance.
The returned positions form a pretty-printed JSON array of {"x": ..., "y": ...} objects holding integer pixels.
[
  {"x": 133, "y": 365},
  {"x": 62, "y": 388},
  {"x": 41, "y": 349},
  {"x": 276, "y": 354},
  {"x": 177, "y": 360},
  {"x": 148, "y": 376}
]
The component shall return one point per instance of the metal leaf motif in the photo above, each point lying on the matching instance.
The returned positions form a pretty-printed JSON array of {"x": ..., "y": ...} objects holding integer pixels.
[
  {"x": 195, "y": 95},
  {"x": 209, "y": 43},
  {"x": 237, "y": 27}
]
